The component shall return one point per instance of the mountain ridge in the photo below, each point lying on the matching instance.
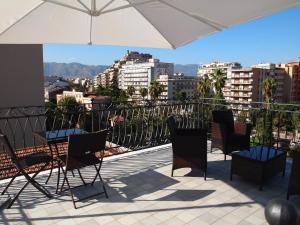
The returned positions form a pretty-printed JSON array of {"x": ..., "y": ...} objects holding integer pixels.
[{"x": 75, "y": 69}]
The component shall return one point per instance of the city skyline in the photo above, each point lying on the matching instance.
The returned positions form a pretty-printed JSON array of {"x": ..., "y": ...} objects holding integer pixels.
[{"x": 269, "y": 39}]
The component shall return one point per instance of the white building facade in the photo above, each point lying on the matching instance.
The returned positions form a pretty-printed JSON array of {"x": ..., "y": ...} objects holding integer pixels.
[
  {"x": 208, "y": 69},
  {"x": 178, "y": 83},
  {"x": 140, "y": 75}
]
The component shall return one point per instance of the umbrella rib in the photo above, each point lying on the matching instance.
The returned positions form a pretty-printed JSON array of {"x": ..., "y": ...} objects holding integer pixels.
[
  {"x": 123, "y": 7},
  {"x": 206, "y": 21},
  {"x": 19, "y": 20},
  {"x": 172, "y": 46},
  {"x": 69, "y": 6},
  {"x": 84, "y": 5},
  {"x": 106, "y": 5}
]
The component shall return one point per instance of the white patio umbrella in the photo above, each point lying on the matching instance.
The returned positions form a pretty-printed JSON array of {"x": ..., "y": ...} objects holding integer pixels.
[{"x": 142, "y": 23}]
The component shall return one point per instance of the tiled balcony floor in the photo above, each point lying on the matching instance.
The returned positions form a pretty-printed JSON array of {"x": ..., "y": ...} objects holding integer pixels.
[{"x": 141, "y": 191}]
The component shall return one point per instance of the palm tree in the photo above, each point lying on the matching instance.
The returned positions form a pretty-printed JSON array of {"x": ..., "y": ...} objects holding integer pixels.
[
  {"x": 68, "y": 103},
  {"x": 203, "y": 87},
  {"x": 144, "y": 92},
  {"x": 130, "y": 91},
  {"x": 155, "y": 89},
  {"x": 269, "y": 88},
  {"x": 69, "y": 108},
  {"x": 219, "y": 78}
]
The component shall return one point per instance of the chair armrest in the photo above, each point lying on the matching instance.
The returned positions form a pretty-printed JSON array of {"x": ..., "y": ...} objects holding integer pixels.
[{"x": 242, "y": 128}]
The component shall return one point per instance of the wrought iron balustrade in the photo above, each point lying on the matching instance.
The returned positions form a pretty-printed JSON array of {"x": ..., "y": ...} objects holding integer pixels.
[{"x": 137, "y": 125}]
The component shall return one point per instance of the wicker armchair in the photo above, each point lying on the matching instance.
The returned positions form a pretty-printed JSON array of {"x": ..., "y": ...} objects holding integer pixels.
[
  {"x": 294, "y": 184},
  {"x": 189, "y": 147},
  {"x": 228, "y": 135}
]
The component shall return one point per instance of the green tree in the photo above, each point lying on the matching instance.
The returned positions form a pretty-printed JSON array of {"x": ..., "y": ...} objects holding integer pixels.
[
  {"x": 203, "y": 87},
  {"x": 69, "y": 111},
  {"x": 114, "y": 82},
  {"x": 269, "y": 89},
  {"x": 68, "y": 101},
  {"x": 144, "y": 92},
  {"x": 219, "y": 79},
  {"x": 155, "y": 89},
  {"x": 103, "y": 91},
  {"x": 180, "y": 95},
  {"x": 131, "y": 91},
  {"x": 116, "y": 93}
]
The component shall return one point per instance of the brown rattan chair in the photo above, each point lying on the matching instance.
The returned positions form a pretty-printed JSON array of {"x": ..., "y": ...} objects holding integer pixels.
[
  {"x": 294, "y": 182},
  {"x": 22, "y": 164},
  {"x": 189, "y": 147},
  {"x": 228, "y": 135},
  {"x": 84, "y": 150}
]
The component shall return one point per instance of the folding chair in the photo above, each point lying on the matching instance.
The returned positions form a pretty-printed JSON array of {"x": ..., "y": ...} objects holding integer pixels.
[
  {"x": 21, "y": 164},
  {"x": 82, "y": 150}
]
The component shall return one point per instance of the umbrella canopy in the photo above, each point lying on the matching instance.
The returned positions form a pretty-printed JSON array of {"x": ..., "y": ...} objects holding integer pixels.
[{"x": 141, "y": 23}]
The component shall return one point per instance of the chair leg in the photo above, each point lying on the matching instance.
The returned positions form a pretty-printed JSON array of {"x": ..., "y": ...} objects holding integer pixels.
[
  {"x": 101, "y": 180},
  {"x": 96, "y": 174},
  {"x": 35, "y": 183},
  {"x": 50, "y": 174},
  {"x": 17, "y": 195},
  {"x": 69, "y": 187},
  {"x": 30, "y": 180},
  {"x": 172, "y": 172},
  {"x": 10, "y": 182},
  {"x": 205, "y": 175},
  {"x": 103, "y": 186},
  {"x": 63, "y": 183},
  {"x": 224, "y": 157},
  {"x": 81, "y": 177},
  {"x": 58, "y": 179}
]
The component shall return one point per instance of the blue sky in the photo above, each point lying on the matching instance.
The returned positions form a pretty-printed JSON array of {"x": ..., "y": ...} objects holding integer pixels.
[{"x": 274, "y": 38}]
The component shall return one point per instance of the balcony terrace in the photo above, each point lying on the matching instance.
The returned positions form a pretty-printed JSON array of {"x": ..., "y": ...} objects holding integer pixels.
[
  {"x": 139, "y": 183},
  {"x": 141, "y": 191}
]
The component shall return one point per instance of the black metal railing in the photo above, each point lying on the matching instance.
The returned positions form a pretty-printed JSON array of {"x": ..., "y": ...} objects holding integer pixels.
[{"x": 135, "y": 126}]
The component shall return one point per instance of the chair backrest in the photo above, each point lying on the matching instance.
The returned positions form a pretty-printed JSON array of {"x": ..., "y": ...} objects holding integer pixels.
[
  {"x": 89, "y": 143},
  {"x": 6, "y": 147},
  {"x": 224, "y": 117},
  {"x": 172, "y": 125}
]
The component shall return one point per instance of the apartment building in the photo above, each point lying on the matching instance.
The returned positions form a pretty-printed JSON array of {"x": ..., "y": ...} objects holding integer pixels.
[
  {"x": 293, "y": 80},
  {"x": 105, "y": 79},
  {"x": 178, "y": 82},
  {"x": 246, "y": 85},
  {"x": 140, "y": 74},
  {"x": 242, "y": 86},
  {"x": 208, "y": 69},
  {"x": 271, "y": 70}
]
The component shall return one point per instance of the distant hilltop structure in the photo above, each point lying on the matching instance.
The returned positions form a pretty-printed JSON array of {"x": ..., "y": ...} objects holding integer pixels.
[{"x": 105, "y": 79}]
